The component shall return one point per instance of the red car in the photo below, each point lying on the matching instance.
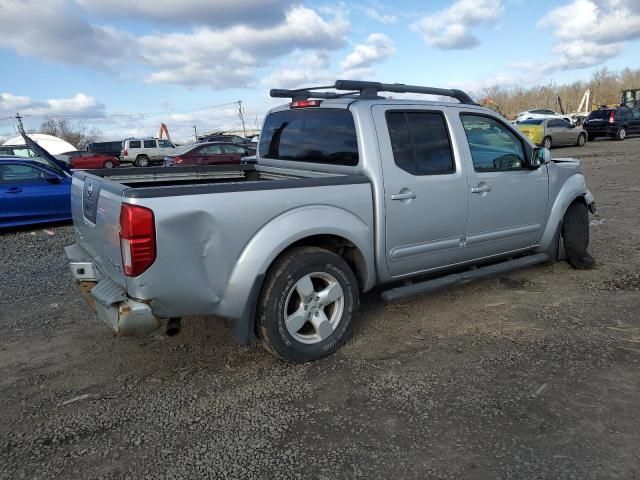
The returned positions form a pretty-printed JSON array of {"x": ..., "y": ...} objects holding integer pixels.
[
  {"x": 86, "y": 160},
  {"x": 208, "y": 154}
]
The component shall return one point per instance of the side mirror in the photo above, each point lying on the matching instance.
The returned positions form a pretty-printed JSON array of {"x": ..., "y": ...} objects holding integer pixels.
[
  {"x": 52, "y": 180},
  {"x": 540, "y": 157}
]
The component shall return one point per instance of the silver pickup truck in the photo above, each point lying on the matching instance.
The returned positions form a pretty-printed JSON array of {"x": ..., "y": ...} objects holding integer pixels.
[{"x": 350, "y": 190}]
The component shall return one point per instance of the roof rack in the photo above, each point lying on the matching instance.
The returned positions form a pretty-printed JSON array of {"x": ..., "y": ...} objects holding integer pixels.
[{"x": 368, "y": 90}]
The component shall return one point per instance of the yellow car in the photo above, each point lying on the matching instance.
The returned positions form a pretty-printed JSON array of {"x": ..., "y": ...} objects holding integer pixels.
[{"x": 547, "y": 132}]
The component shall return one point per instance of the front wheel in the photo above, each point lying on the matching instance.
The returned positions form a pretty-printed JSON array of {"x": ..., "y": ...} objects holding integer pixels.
[
  {"x": 546, "y": 143},
  {"x": 621, "y": 134},
  {"x": 582, "y": 139},
  {"x": 108, "y": 164},
  {"x": 575, "y": 233},
  {"x": 307, "y": 305},
  {"x": 141, "y": 161}
]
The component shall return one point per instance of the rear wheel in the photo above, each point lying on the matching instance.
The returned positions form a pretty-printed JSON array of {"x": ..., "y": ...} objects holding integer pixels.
[
  {"x": 141, "y": 161},
  {"x": 546, "y": 143},
  {"x": 575, "y": 234},
  {"x": 307, "y": 305},
  {"x": 108, "y": 164},
  {"x": 582, "y": 139},
  {"x": 621, "y": 134}
]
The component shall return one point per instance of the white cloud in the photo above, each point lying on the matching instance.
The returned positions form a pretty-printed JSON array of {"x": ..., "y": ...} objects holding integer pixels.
[
  {"x": 376, "y": 15},
  {"x": 48, "y": 30},
  {"x": 302, "y": 69},
  {"x": 211, "y": 12},
  {"x": 377, "y": 47},
  {"x": 216, "y": 57},
  {"x": 450, "y": 28},
  {"x": 80, "y": 105},
  {"x": 589, "y": 32}
]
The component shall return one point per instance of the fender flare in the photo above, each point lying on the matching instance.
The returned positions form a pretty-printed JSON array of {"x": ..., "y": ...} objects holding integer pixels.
[
  {"x": 276, "y": 236},
  {"x": 574, "y": 187}
]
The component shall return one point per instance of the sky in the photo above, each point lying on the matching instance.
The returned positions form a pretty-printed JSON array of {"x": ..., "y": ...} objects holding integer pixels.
[{"x": 124, "y": 66}]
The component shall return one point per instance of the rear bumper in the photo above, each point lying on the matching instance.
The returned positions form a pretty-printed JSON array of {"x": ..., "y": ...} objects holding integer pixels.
[
  {"x": 125, "y": 316},
  {"x": 608, "y": 130}
]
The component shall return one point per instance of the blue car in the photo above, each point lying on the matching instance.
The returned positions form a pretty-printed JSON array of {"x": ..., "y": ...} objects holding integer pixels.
[{"x": 33, "y": 191}]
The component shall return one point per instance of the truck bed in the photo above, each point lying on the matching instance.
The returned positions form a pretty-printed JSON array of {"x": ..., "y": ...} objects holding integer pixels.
[{"x": 173, "y": 181}]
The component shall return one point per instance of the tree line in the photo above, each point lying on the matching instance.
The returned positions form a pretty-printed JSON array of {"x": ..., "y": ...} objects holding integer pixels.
[{"x": 605, "y": 86}]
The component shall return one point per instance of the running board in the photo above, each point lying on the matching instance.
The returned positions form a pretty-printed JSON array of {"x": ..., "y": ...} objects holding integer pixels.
[{"x": 464, "y": 277}]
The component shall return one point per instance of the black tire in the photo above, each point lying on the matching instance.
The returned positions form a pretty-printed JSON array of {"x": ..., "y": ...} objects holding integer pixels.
[
  {"x": 575, "y": 233},
  {"x": 621, "y": 134},
  {"x": 108, "y": 164},
  {"x": 582, "y": 140},
  {"x": 591, "y": 137},
  {"x": 280, "y": 285},
  {"x": 546, "y": 142},
  {"x": 141, "y": 161}
]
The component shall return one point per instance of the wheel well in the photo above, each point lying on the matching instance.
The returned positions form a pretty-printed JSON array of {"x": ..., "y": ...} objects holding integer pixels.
[
  {"x": 142, "y": 155},
  {"x": 341, "y": 247}
]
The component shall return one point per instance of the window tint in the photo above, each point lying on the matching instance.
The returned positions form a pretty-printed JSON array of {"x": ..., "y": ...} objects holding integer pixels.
[
  {"x": 532, "y": 121},
  {"x": 636, "y": 113},
  {"x": 134, "y": 144},
  {"x": 20, "y": 173},
  {"x": 232, "y": 149},
  {"x": 211, "y": 150},
  {"x": 420, "y": 142},
  {"x": 149, "y": 144},
  {"x": 164, "y": 144},
  {"x": 565, "y": 124},
  {"x": 493, "y": 146},
  {"x": 310, "y": 135},
  {"x": 599, "y": 114},
  {"x": 556, "y": 123}
]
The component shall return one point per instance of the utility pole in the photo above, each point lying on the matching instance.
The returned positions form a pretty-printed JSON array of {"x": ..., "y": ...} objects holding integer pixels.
[
  {"x": 20, "y": 127},
  {"x": 195, "y": 133},
  {"x": 241, "y": 114}
]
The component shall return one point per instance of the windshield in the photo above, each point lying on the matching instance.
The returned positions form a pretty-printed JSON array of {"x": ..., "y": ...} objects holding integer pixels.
[{"x": 532, "y": 121}]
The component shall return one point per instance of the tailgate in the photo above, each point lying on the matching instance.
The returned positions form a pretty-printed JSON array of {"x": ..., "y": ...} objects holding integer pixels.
[{"x": 95, "y": 206}]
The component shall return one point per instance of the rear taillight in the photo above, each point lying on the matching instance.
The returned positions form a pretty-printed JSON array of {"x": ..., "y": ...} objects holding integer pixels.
[
  {"x": 137, "y": 239},
  {"x": 612, "y": 116},
  {"x": 125, "y": 152}
]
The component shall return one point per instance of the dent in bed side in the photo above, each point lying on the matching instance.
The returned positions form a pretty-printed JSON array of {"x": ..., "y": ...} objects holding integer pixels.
[
  {"x": 572, "y": 188},
  {"x": 283, "y": 231}
]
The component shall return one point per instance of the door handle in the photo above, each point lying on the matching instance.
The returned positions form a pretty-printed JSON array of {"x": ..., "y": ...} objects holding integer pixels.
[
  {"x": 403, "y": 196},
  {"x": 481, "y": 188},
  {"x": 14, "y": 190}
]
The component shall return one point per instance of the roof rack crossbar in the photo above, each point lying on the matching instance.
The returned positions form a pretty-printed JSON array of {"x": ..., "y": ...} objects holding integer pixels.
[{"x": 370, "y": 90}]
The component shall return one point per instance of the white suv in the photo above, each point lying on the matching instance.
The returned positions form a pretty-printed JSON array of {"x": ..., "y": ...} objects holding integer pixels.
[{"x": 144, "y": 151}]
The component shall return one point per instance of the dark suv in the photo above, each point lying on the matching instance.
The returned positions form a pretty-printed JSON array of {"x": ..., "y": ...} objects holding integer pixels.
[
  {"x": 108, "y": 148},
  {"x": 612, "y": 122}
]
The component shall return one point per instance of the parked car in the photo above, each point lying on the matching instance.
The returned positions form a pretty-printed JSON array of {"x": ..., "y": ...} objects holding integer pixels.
[
  {"x": 107, "y": 148},
  {"x": 80, "y": 160},
  {"x": 351, "y": 190},
  {"x": 541, "y": 113},
  {"x": 145, "y": 151},
  {"x": 548, "y": 132},
  {"x": 612, "y": 122},
  {"x": 207, "y": 154},
  {"x": 32, "y": 191}
]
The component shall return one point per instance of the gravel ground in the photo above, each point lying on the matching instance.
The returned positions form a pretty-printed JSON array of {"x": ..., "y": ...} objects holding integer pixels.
[{"x": 531, "y": 375}]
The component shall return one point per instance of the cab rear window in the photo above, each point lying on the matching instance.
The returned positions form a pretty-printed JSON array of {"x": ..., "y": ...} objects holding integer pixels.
[{"x": 313, "y": 135}]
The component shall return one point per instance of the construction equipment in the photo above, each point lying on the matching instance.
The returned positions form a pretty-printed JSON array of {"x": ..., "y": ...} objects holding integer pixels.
[
  {"x": 487, "y": 101},
  {"x": 165, "y": 130},
  {"x": 630, "y": 97}
]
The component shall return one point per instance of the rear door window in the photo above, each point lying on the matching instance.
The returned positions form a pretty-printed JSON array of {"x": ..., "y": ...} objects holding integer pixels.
[
  {"x": 420, "y": 142},
  {"x": 149, "y": 144},
  {"x": 314, "y": 135}
]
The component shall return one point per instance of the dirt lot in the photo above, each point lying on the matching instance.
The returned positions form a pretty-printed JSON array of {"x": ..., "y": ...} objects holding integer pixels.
[{"x": 532, "y": 375}]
